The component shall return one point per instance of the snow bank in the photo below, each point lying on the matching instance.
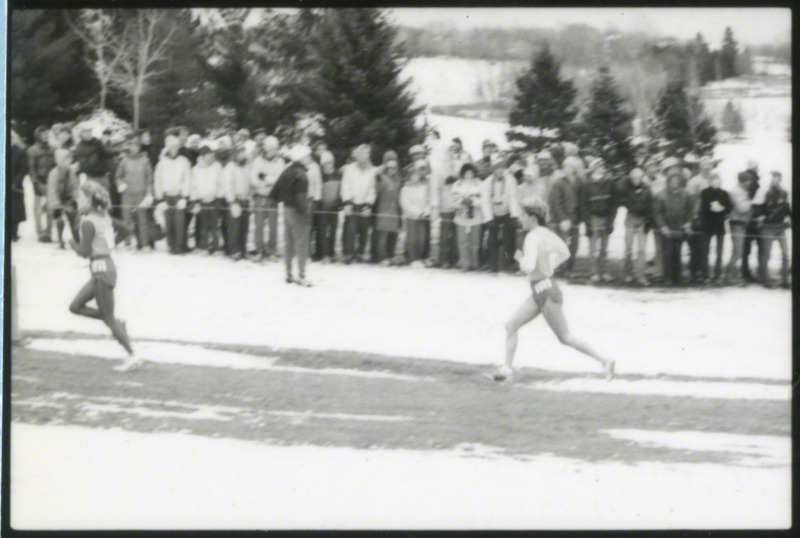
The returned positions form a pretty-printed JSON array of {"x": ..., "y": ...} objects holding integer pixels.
[{"x": 79, "y": 478}]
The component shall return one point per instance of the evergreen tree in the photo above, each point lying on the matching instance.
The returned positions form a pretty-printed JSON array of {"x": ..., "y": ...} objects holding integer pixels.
[
  {"x": 682, "y": 123},
  {"x": 732, "y": 120},
  {"x": 728, "y": 55},
  {"x": 543, "y": 100},
  {"x": 356, "y": 87},
  {"x": 705, "y": 61},
  {"x": 49, "y": 80},
  {"x": 606, "y": 126}
]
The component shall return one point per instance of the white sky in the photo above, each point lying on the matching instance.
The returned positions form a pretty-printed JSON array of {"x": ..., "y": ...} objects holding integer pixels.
[{"x": 750, "y": 25}]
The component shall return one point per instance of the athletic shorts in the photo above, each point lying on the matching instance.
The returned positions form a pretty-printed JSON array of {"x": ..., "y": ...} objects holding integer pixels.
[
  {"x": 546, "y": 289},
  {"x": 104, "y": 271}
]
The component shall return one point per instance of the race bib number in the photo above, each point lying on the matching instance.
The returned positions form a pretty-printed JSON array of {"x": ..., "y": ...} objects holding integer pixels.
[
  {"x": 110, "y": 238},
  {"x": 99, "y": 266}
]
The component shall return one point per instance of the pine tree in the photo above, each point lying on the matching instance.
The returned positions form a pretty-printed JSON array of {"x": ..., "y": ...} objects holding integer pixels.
[
  {"x": 356, "y": 86},
  {"x": 732, "y": 120},
  {"x": 682, "y": 123},
  {"x": 705, "y": 61},
  {"x": 543, "y": 100},
  {"x": 728, "y": 55},
  {"x": 606, "y": 127}
]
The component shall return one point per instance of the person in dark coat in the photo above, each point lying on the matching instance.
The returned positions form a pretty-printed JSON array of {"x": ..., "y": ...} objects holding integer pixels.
[
  {"x": 91, "y": 158},
  {"x": 715, "y": 205},
  {"x": 18, "y": 160},
  {"x": 291, "y": 189},
  {"x": 599, "y": 207},
  {"x": 751, "y": 180},
  {"x": 638, "y": 200},
  {"x": 775, "y": 215}
]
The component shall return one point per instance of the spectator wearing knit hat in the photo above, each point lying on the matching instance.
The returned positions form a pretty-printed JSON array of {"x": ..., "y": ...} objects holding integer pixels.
[
  {"x": 330, "y": 205},
  {"x": 499, "y": 191},
  {"x": 171, "y": 183},
  {"x": 235, "y": 187},
  {"x": 468, "y": 192},
  {"x": 751, "y": 179},
  {"x": 673, "y": 216},
  {"x": 389, "y": 181},
  {"x": 40, "y": 162},
  {"x": 204, "y": 194},
  {"x": 599, "y": 207},
  {"x": 358, "y": 196},
  {"x": 715, "y": 205},
  {"x": 776, "y": 218},
  {"x": 416, "y": 208},
  {"x": 134, "y": 179},
  {"x": 564, "y": 204},
  {"x": 638, "y": 201}
]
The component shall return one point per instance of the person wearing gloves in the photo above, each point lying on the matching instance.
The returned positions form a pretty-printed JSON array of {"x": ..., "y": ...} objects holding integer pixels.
[
  {"x": 235, "y": 187},
  {"x": 134, "y": 178},
  {"x": 415, "y": 203},
  {"x": 638, "y": 200},
  {"x": 62, "y": 190},
  {"x": 776, "y": 217},
  {"x": 330, "y": 204},
  {"x": 264, "y": 172},
  {"x": 387, "y": 222},
  {"x": 672, "y": 210},
  {"x": 715, "y": 205},
  {"x": 291, "y": 189},
  {"x": 542, "y": 252},
  {"x": 204, "y": 192},
  {"x": 599, "y": 207},
  {"x": 468, "y": 193},
  {"x": 171, "y": 182},
  {"x": 499, "y": 188},
  {"x": 358, "y": 196},
  {"x": 564, "y": 205}
]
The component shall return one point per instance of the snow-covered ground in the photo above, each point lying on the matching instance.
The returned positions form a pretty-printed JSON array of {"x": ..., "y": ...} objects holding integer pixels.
[{"x": 82, "y": 478}]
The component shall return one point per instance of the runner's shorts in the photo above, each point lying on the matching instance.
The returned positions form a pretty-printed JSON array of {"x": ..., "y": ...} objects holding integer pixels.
[
  {"x": 103, "y": 271},
  {"x": 546, "y": 289}
]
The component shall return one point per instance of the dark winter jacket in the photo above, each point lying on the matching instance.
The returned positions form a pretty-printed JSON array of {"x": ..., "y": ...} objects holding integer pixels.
[
  {"x": 40, "y": 161},
  {"x": 190, "y": 153},
  {"x": 638, "y": 200},
  {"x": 673, "y": 209},
  {"x": 599, "y": 199},
  {"x": 91, "y": 158},
  {"x": 713, "y": 222},
  {"x": 776, "y": 207},
  {"x": 564, "y": 201},
  {"x": 18, "y": 161},
  {"x": 291, "y": 188}
]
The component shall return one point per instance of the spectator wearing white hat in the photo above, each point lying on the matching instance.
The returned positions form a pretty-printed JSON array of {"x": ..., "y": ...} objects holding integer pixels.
[
  {"x": 291, "y": 189},
  {"x": 673, "y": 217},
  {"x": 235, "y": 187},
  {"x": 205, "y": 191},
  {"x": 358, "y": 196},
  {"x": 264, "y": 173},
  {"x": 330, "y": 205},
  {"x": 171, "y": 183}
]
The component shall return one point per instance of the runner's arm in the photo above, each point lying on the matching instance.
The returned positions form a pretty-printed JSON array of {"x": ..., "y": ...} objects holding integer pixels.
[{"x": 84, "y": 248}]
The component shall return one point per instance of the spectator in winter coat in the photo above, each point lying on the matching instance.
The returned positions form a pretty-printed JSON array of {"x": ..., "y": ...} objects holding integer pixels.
[
  {"x": 40, "y": 162},
  {"x": 314, "y": 173},
  {"x": 264, "y": 172},
  {"x": 698, "y": 241},
  {"x": 499, "y": 189},
  {"x": 171, "y": 182},
  {"x": 90, "y": 156},
  {"x": 776, "y": 218},
  {"x": 387, "y": 208},
  {"x": 752, "y": 182},
  {"x": 468, "y": 192},
  {"x": 564, "y": 206},
  {"x": 599, "y": 207},
  {"x": 415, "y": 205},
  {"x": 62, "y": 189},
  {"x": 638, "y": 201},
  {"x": 291, "y": 190},
  {"x": 205, "y": 192},
  {"x": 740, "y": 217},
  {"x": 134, "y": 178},
  {"x": 715, "y": 205},
  {"x": 484, "y": 164},
  {"x": 548, "y": 173},
  {"x": 18, "y": 169},
  {"x": 654, "y": 179},
  {"x": 235, "y": 186},
  {"x": 673, "y": 217},
  {"x": 331, "y": 202},
  {"x": 358, "y": 196}
]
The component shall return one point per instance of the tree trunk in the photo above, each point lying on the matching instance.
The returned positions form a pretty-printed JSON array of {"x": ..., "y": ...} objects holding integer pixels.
[
  {"x": 103, "y": 92},
  {"x": 137, "y": 94}
]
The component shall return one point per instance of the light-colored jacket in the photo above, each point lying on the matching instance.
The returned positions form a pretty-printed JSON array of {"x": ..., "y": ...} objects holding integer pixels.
[
  {"x": 235, "y": 182},
  {"x": 136, "y": 173},
  {"x": 264, "y": 173},
  {"x": 314, "y": 173},
  {"x": 415, "y": 200},
  {"x": 499, "y": 195},
  {"x": 742, "y": 205},
  {"x": 358, "y": 185},
  {"x": 206, "y": 182},
  {"x": 469, "y": 194},
  {"x": 172, "y": 177}
]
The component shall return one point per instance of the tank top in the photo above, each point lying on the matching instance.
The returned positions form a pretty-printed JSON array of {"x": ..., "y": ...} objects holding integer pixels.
[{"x": 103, "y": 240}]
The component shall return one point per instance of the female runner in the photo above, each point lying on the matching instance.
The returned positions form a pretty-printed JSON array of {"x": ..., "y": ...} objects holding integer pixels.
[
  {"x": 97, "y": 242},
  {"x": 543, "y": 251}
]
